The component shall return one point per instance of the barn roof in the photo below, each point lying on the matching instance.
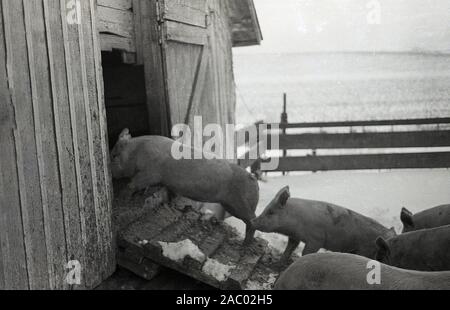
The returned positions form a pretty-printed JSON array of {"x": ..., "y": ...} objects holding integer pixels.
[{"x": 244, "y": 23}]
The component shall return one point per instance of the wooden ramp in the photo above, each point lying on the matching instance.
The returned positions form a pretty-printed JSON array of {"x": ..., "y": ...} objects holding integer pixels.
[{"x": 154, "y": 232}]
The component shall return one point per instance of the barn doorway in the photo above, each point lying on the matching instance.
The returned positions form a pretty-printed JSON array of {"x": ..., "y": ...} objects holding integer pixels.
[{"x": 125, "y": 96}]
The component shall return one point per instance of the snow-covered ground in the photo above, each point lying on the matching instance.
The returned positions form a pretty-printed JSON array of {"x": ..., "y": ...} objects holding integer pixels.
[{"x": 379, "y": 195}]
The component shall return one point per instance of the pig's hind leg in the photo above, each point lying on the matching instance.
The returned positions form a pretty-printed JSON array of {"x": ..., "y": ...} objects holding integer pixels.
[
  {"x": 143, "y": 180},
  {"x": 290, "y": 248}
]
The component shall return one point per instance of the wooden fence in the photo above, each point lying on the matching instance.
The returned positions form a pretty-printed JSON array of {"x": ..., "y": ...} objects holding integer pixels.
[{"x": 369, "y": 139}]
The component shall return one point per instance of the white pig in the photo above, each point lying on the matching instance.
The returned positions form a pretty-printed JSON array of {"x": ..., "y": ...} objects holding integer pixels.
[
  {"x": 425, "y": 250},
  {"x": 148, "y": 161},
  {"x": 339, "y": 271},
  {"x": 434, "y": 217},
  {"x": 320, "y": 225}
]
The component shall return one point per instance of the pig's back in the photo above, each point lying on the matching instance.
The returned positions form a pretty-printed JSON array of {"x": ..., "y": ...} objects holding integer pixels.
[
  {"x": 186, "y": 176},
  {"x": 149, "y": 148},
  {"x": 337, "y": 217},
  {"x": 426, "y": 250},
  {"x": 337, "y": 271},
  {"x": 149, "y": 152},
  {"x": 434, "y": 217},
  {"x": 342, "y": 229}
]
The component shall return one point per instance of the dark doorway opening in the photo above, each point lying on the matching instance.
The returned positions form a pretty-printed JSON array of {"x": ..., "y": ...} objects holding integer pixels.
[{"x": 125, "y": 97}]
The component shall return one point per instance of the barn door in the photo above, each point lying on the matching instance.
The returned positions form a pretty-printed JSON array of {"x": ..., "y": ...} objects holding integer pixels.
[{"x": 186, "y": 51}]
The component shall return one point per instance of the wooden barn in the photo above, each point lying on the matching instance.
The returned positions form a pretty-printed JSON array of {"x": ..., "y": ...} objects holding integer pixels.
[
  {"x": 166, "y": 61},
  {"x": 73, "y": 73}
]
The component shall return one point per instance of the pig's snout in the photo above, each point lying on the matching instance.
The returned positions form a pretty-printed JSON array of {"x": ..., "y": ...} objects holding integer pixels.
[{"x": 264, "y": 224}]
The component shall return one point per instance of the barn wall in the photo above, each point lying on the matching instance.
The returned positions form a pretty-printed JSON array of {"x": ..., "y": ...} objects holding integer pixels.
[
  {"x": 55, "y": 188},
  {"x": 222, "y": 61},
  {"x": 116, "y": 25},
  {"x": 197, "y": 58}
]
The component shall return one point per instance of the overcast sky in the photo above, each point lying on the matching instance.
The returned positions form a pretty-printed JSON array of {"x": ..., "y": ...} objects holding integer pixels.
[{"x": 291, "y": 26}]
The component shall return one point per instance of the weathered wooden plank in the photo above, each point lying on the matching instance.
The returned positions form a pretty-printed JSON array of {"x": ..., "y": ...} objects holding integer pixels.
[
  {"x": 6, "y": 108},
  {"x": 188, "y": 227},
  {"x": 93, "y": 102},
  {"x": 208, "y": 238},
  {"x": 138, "y": 35},
  {"x": 102, "y": 152},
  {"x": 178, "y": 32},
  {"x": 151, "y": 224},
  {"x": 418, "y": 121},
  {"x": 376, "y": 161},
  {"x": 88, "y": 79},
  {"x": 39, "y": 56},
  {"x": 365, "y": 140},
  {"x": 216, "y": 71},
  {"x": 219, "y": 244},
  {"x": 176, "y": 231},
  {"x": 181, "y": 63},
  {"x": 145, "y": 269},
  {"x": 265, "y": 273},
  {"x": 13, "y": 266},
  {"x": 133, "y": 259},
  {"x": 106, "y": 27},
  {"x": 186, "y": 12},
  {"x": 52, "y": 15},
  {"x": 73, "y": 184},
  {"x": 2, "y": 260},
  {"x": 110, "y": 42},
  {"x": 78, "y": 92},
  {"x": 250, "y": 257},
  {"x": 115, "y": 21},
  {"x": 159, "y": 117},
  {"x": 25, "y": 141},
  {"x": 116, "y": 4},
  {"x": 198, "y": 86}
]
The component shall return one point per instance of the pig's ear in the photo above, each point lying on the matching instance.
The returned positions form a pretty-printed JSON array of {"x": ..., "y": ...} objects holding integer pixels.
[
  {"x": 406, "y": 217},
  {"x": 125, "y": 135},
  {"x": 383, "y": 247},
  {"x": 284, "y": 196}
]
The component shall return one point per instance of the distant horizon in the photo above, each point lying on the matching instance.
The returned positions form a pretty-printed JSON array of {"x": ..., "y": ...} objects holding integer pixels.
[
  {"x": 381, "y": 26},
  {"x": 412, "y": 52}
]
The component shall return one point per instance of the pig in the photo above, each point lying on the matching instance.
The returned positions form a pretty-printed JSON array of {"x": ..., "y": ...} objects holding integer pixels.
[
  {"x": 341, "y": 271},
  {"x": 148, "y": 162},
  {"x": 319, "y": 225},
  {"x": 431, "y": 218},
  {"x": 423, "y": 250}
]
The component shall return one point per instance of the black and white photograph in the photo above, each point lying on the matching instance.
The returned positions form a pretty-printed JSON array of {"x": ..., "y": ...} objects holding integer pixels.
[{"x": 226, "y": 147}]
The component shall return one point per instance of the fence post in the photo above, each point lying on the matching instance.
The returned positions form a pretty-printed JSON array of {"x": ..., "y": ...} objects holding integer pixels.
[{"x": 283, "y": 122}]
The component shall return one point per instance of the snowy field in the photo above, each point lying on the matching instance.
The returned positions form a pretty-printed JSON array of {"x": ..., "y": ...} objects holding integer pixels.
[{"x": 379, "y": 195}]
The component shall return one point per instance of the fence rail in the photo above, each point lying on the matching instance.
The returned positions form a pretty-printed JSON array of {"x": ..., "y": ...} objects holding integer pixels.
[
  {"x": 398, "y": 122},
  {"x": 365, "y": 162},
  {"x": 395, "y": 139},
  {"x": 367, "y": 140}
]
